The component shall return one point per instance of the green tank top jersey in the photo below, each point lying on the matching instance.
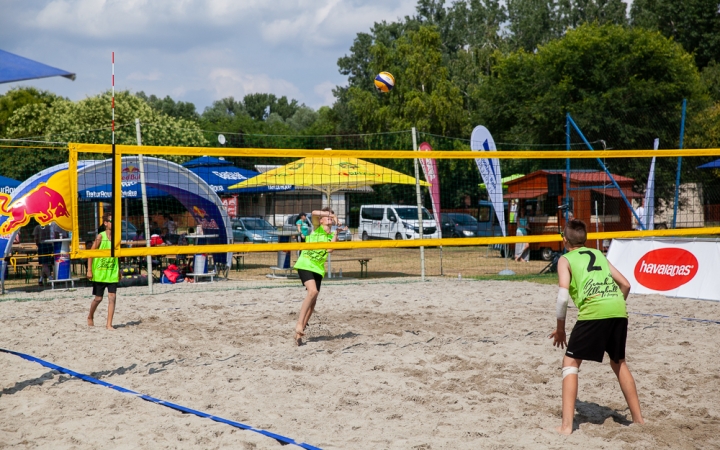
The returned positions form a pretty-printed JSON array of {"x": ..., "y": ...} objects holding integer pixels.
[
  {"x": 592, "y": 288},
  {"x": 314, "y": 260},
  {"x": 105, "y": 270}
]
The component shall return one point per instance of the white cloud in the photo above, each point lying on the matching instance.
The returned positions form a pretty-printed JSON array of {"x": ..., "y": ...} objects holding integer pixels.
[
  {"x": 154, "y": 75},
  {"x": 203, "y": 50},
  {"x": 231, "y": 82},
  {"x": 324, "y": 93}
]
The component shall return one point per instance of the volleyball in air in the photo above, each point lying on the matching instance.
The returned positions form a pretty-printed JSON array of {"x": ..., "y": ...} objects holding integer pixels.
[{"x": 384, "y": 82}]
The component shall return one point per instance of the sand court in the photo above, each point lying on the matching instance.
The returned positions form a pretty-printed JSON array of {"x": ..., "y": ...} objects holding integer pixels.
[{"x": 396, "y": 364}]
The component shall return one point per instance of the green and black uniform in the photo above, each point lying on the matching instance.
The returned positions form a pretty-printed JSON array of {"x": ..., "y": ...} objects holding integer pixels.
[
  {"x": 311, "y": 263},
  {"x": 105, "y": 271},
  {"x": 602, "y": 315}
]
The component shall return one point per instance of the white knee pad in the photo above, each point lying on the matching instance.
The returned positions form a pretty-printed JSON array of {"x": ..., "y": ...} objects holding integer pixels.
[{"x": 569, "y": 371}]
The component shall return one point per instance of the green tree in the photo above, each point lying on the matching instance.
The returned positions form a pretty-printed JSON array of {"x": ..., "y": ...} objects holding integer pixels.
[
  {"x": 624, "y": 86},
  {"x": 169, "y": 107},
  {"x": 423, "y": 96},
  {"x": 533, "y": 23},
  {"x": 88, "y": 121},
  {"x": 258, "y": 105},
  {"x": 693, "y": 23},
  {"x": 711, "y": 78},
  {"x": 16, "y": 98}
]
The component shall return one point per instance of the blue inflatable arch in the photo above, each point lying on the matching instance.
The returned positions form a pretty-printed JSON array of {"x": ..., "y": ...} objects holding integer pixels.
[{"x": 161, "y": 177}]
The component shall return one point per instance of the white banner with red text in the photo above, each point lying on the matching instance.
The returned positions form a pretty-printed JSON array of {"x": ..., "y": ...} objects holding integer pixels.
[{"x": 671, "y": 267}]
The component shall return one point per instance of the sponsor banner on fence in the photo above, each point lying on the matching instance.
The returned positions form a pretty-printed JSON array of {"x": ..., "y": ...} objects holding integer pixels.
[
  {"x": 482, "y": 141},
  {"x": 429, "y": 167},
  {"x": 671, "y": 267}
]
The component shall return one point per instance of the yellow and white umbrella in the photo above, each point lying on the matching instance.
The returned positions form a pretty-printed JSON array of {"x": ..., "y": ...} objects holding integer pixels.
[{"x": 328, "y": 175}]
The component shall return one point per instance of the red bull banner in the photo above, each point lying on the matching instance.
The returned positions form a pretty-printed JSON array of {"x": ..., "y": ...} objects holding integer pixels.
[
  {"x": 45, "y": 203},
  {"x": 429, "y": 167},
  {"x": 671, "y": 267},
  {"x": 46, "y": 200}
]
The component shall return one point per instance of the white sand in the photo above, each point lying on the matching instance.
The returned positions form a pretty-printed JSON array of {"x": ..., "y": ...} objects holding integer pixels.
[{"x": 398, "y": 364}]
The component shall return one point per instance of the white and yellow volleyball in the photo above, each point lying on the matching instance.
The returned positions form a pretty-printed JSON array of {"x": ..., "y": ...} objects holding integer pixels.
[{"x": 384, "y": 82}]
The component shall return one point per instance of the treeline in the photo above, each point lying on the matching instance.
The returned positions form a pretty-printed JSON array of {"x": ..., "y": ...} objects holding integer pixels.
[{"x": 516, "y": 66}]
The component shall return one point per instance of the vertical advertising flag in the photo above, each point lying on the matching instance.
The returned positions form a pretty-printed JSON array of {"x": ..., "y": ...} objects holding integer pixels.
[
  {"x": 429, "y": 167},
  {"x": 481, "y": 140},
  {"x": 649, "y": 210}
]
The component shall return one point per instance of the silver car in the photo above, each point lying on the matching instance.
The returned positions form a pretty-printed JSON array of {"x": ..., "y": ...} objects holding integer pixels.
[{"x": 253, "y": 229}]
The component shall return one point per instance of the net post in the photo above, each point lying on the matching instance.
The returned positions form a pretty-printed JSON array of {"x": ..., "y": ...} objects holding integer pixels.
[
  {"x": 116, "y": 200},
  {"x": 679, "y": 164},
  {"x": 146, "y": 217},
  {"x": 419, "y": 204},
  {"x": 74, "y": 207}
]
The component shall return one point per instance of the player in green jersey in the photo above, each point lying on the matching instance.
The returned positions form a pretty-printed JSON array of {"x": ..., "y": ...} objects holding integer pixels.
[
  {"x": 599, "y": 291},
  {"x": 311, "y": 266},
  {"x": 104, "y": 274}
]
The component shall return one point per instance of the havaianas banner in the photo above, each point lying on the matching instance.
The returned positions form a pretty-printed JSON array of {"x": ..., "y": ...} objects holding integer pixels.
[{"x": 481, "y": 140}]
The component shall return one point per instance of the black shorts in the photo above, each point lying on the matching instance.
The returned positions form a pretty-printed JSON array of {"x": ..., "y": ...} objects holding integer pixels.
[
  {"x": 590, "y": 339},
  {"x": 306, "y": 275},
  {"x": 99, "y": 288}
]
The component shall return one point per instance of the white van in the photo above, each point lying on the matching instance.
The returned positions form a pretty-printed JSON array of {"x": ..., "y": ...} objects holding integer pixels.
[{"x": 395, "y": 222}]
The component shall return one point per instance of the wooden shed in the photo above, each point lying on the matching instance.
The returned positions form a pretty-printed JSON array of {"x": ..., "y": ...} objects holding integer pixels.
[{"x": 592, "y": 198}]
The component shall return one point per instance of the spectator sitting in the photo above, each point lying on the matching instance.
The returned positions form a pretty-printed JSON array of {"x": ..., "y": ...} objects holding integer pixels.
[{"x": 171, "y": 237}]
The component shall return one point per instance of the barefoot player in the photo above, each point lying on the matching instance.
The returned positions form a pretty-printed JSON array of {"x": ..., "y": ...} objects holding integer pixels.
[
  {"x": 311, "y": 266},
  {"x": 104, "y": 274},
  {"x": 599, "y": 291}
]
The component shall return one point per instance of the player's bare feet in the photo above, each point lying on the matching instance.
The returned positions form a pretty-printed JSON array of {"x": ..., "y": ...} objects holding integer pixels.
[
  {"x": 91, "y": 323},
  {"x": 111, "y": 328},
  {"x": 298, "y": 337},
  {"x": 564, "y": 431}
]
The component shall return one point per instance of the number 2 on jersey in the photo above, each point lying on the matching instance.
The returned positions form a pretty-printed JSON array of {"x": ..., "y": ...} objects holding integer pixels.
[{"x": 591, "y": 265}]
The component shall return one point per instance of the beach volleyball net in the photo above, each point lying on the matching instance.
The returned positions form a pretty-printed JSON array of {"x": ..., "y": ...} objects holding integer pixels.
[{"x": 235, "y": 200}]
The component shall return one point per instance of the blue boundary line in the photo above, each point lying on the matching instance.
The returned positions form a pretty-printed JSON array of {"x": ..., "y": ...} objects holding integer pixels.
[
  {"x": 282, "y": 439},
  {"x": 689, "y": 319}
]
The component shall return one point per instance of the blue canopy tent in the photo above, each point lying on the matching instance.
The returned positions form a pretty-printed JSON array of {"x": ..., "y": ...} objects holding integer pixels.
[
  {"x": 711, "y": 165},
  {"x": 16, "y": 68},
  {"x": 221, "y": 174},
  {"x": 8, "y": 185}
]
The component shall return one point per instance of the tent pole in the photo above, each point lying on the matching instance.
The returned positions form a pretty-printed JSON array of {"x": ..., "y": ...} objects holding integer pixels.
[
  {"x": 146, "y": 217},
  {"x": 328, "y": 192},
  {"x": 419, "y": 204}
]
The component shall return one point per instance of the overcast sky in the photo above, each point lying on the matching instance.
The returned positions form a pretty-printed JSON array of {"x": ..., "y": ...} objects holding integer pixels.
[{"x": 193, "y": 50}]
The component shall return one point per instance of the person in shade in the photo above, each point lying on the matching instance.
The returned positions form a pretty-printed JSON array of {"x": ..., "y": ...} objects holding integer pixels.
[
  {"x": 302, "y": 227},
  {"x": 104, "y": 274},
  {"x": 599, "y": 291},
  {"x": 45, "y": 252},
  {"x": 311, "y": 266}
]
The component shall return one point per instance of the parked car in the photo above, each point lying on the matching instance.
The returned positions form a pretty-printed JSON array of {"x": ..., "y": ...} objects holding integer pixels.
[
  {"x": 290, "y": 223},
  {"x": 344, "y": 235},
  {"x": 253, "y": 229},
  {"x": 397, "y": 222},
  {"x": 457, "y": 225}
]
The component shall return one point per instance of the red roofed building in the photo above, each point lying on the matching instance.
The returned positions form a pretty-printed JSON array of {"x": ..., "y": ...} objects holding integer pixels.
[{"x": 540, "y": 193}]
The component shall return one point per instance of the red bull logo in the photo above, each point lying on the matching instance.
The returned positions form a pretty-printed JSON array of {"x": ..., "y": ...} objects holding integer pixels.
[
  {"x": 130, "y": 173},
  {"x": 43, "y": 203},
  {"x": 199, "y": 212}
]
